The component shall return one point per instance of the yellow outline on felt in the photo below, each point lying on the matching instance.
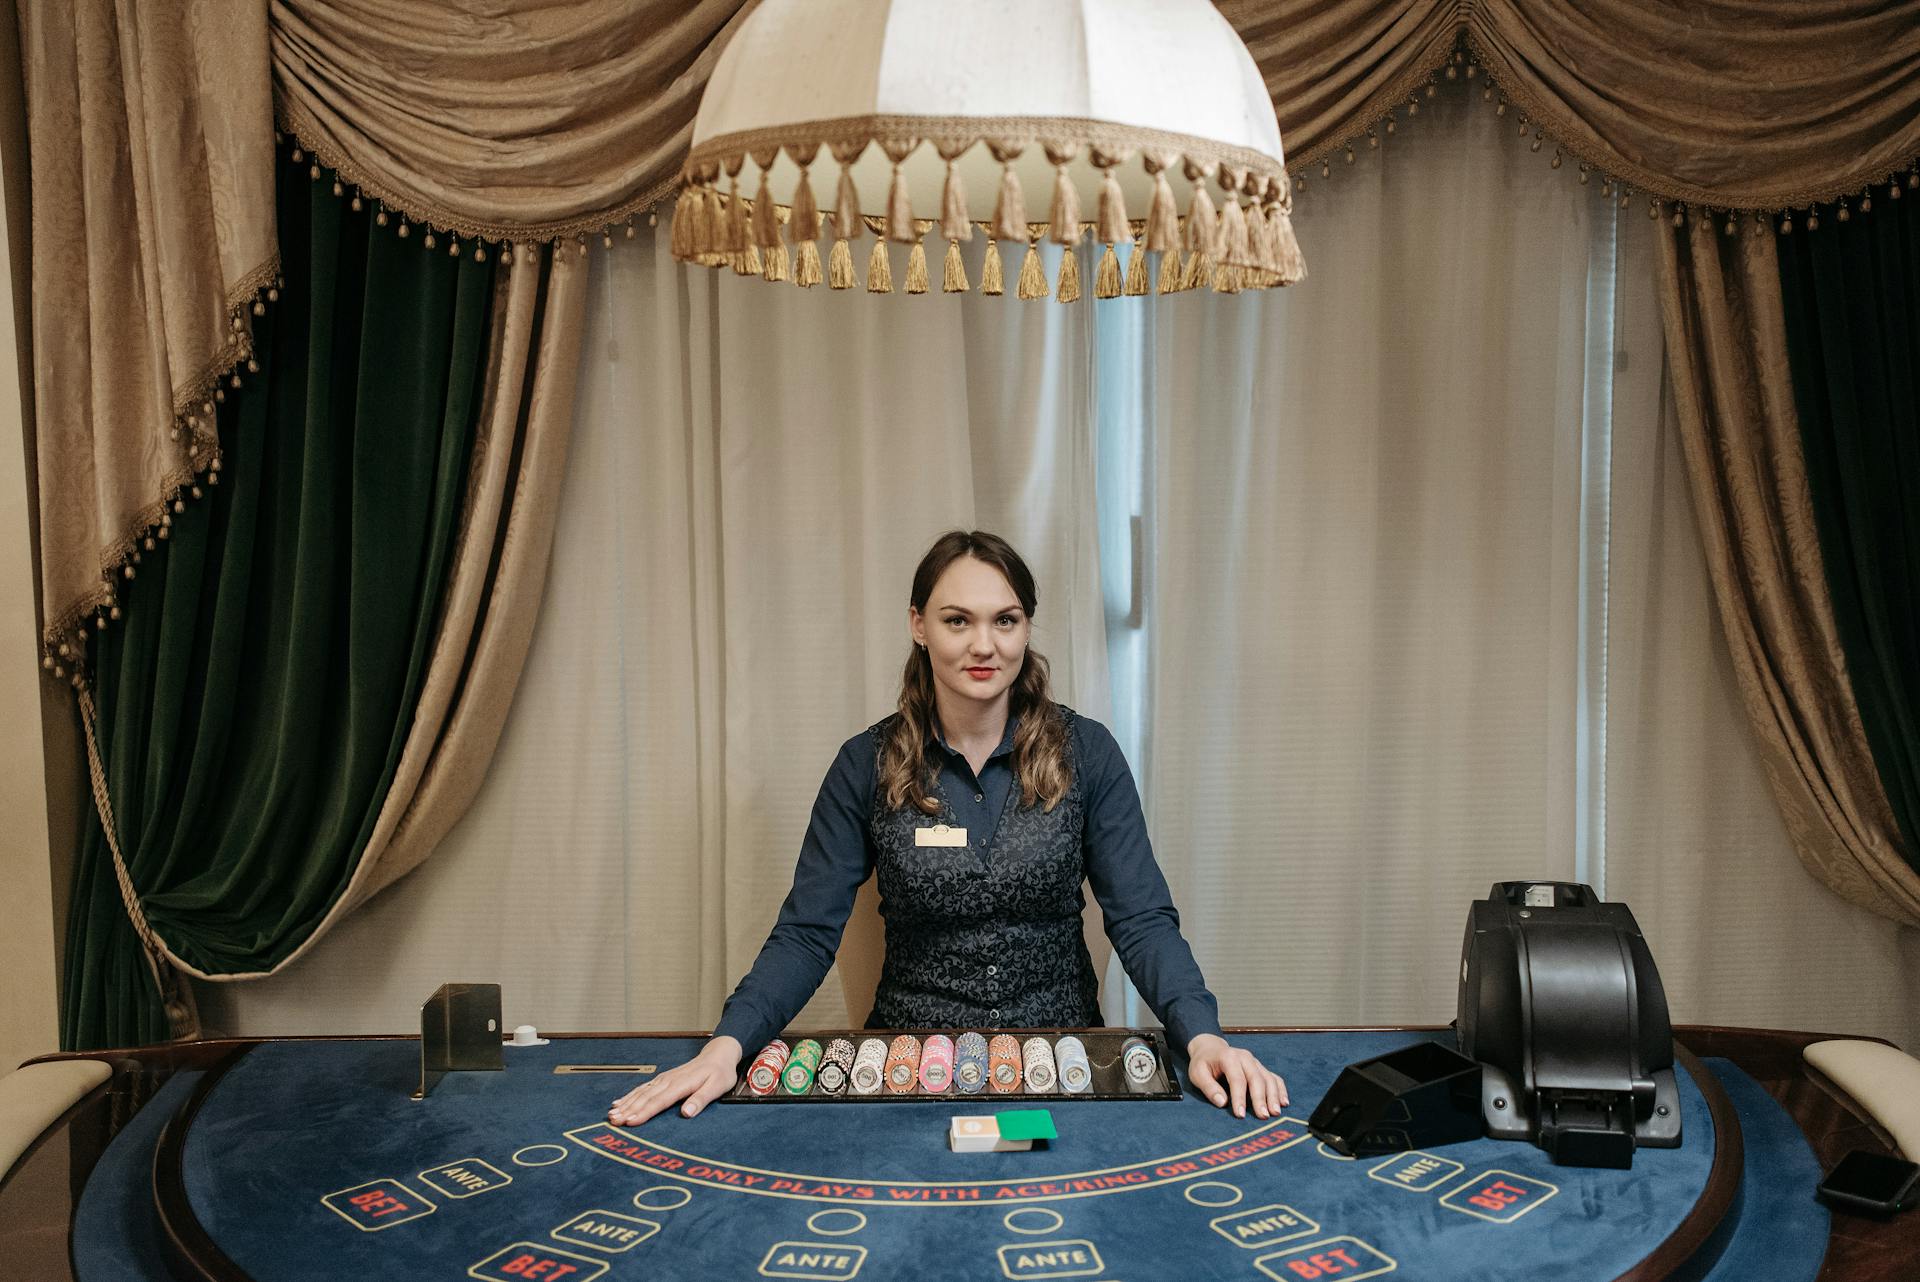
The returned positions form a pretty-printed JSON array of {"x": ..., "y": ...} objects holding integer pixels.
[
  {"x": 1428, "y": 1187},
  {"x": 1553, "y": 1190},
  {"x": 1242, "y": 1138},
  {"x": 761, "y": 1268},
  {"x": 384, "y": 1179},
  {"x": 1391, "y": 1265},
  {"x": 1239, "y": 1194},
  {"x": 836, "y": 1210},
  {"x": 1059, "y": 1220},
  {"x": 600, "y": 1266},
  {"x": 1099, "y": 1265},
  {"x": 505, "y": 1179},
  {"x": 652, "y": 1228},
  {"x": 565, "y": 1152},
  {"x": 1214, "y": 1224}
]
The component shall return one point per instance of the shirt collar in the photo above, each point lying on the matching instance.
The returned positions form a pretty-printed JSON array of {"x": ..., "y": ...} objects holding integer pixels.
[{"x": 939, "y": 737}]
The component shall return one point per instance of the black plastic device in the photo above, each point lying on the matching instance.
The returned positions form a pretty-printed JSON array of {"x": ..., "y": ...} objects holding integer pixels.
[
  {"x": 1561, "y": 1004},
  {"x": 1420, "y": 1096},
  {"x": 1871, "y": 1183}
]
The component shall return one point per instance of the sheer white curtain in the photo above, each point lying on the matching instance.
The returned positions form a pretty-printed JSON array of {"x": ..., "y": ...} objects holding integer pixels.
[
  {"x": 756, "y": 472},
  {"x": 1392, "y": 574},
  {"x": 1421, "y": 608}
]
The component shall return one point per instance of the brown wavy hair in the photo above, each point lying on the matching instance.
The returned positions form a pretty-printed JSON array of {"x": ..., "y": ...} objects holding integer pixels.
[{"x": 1039, "y": 745}]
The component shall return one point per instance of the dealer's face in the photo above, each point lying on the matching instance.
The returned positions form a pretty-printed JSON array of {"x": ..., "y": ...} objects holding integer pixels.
[{"x": 974, "y": 630}]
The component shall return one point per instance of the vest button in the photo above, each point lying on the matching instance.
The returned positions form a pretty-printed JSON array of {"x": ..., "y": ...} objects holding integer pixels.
[
  {"x": 979, "y": 797},
  {"x": 993, "y": 970},
  {"x": 994, "y": 1015}
]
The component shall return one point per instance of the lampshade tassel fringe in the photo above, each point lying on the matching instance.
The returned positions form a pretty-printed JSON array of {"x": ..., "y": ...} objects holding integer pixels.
[
  {"x": 1033, "y": 276},
  {"x": 991, "y": 280},
  {"x": 917, "y": 269},
  {"x": 953, "y": 279},
  {"x": 879, "y": 270}
]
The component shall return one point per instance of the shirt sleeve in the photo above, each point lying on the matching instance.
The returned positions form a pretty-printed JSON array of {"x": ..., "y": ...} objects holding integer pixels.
[
  {"x": 1135, "y": 904},
  {"x": 835, "y": 858}
]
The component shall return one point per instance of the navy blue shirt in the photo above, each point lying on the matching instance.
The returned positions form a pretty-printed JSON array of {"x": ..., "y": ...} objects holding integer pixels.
[{"x": 837, "y": 856}]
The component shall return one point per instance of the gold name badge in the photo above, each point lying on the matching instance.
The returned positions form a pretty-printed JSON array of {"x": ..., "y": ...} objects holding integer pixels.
[{"x": 940, "y": 835}]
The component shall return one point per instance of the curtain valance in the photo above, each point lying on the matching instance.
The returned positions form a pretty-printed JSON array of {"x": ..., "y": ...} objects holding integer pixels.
[
  {"x": 514, "y": 121},
  {"x": 1709, "y": 102}
]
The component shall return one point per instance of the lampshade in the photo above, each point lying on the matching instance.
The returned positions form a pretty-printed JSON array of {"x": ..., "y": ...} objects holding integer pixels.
[{"x": 1019, "y": 120}]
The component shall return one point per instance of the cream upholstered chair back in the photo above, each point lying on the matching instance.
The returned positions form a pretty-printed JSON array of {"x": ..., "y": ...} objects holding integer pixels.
[{"x": 864, "y": 945}]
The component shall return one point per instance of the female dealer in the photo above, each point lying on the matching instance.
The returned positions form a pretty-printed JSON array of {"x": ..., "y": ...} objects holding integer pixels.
[{"x": 987, "y": 937}]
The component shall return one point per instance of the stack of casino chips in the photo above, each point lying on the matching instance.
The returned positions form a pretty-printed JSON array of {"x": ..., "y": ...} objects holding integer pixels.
[
  {"x": 936, "y": 1063},
  {"x": 1003, "y": 1063},
  {"x": 903, "y": 1063},
  {"x": 797, "y": 1077},
  {"x": 1038, "y": 1057},
  {"x": 832, "y": 1077},
  {"x": 869, "y": 1067},
  {"x": 1139, "y": 1061},
  {"x": 1076, "y": 1075},
  {"x": 764, "y": 1075},
  {"x": 970, "y": 1063}
]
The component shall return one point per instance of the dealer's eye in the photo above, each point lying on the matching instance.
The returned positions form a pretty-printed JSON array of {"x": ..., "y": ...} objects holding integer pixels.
[{"x": 1007, "y": 620}]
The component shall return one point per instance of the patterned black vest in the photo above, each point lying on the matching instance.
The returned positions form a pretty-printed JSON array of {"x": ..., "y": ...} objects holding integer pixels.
[{"x": 984, "y": 938}]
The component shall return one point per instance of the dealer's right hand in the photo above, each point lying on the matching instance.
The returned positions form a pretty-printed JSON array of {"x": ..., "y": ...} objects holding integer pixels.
[{"x": 700, "y": 1081}]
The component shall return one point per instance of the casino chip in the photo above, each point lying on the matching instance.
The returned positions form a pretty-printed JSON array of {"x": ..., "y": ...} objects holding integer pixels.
[
  {"x": 903, "y": 1063},
  {"x": 797, "y": 1077},
  {"x": 765, "y": 1073},
  {"x": 832, "y": 1077},
  {"x": 970, "y": 1063},
  {"x": 869, "y": 1067},
  {"x": 936, "y": 1063},
  {"x": 1041, "y": 1074},
  {"x": 1003, "y": 1063},
  {"x": 1076, "y": 1075}
]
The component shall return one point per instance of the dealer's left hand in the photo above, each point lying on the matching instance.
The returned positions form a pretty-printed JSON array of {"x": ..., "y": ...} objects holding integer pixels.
[{"x": 1228, "y": 1074}]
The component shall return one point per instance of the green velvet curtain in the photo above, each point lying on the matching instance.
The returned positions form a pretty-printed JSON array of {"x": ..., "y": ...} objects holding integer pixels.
[
  {"x": 253, "y": 702},
  {"x": 1852, "y": 301}
]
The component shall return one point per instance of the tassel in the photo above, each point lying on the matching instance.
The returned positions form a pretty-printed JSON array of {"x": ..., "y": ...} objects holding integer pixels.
[
  {"x": 1114, "y": 228},
  {"x": 1234, "y": 249},
  {"x": 736, "y": 221},
  {"x": 953, "y": 208},
  {"x": 1136, "y": 271},
  {"x": 899, "y": 210},
  {"x": 776, "y": 257},
  {"x": 1170, "y": 273},
  {"x": 991, "y": 281},
  {"x": 1293, "y": 268},
  {"x": 805, "y": 221},
  {"x": 1065, "y": 215},
  {"x": 1203, "y": 225},
  {"x": 840, "y": 266},
  {"x": 806, "y": 271},
  {"x": 846, "y": 217},
  {"x": 713, "y": 225},
  {"x": 1010, "y": 211},
  {"x": 954, "y": 277},
  {"x": 1106, "y": 282},
  {"x": 917, "y": 269},
  {"x": 879, "y": 270},
  {"x": 750, "y": 262},
  {"x": 1163, "y": 219},
  {"x": 1069, "y": 291},
  {"x": 681, "y": 232},
  {"x": 1033, "y": 277},
  {"x": 766, "y": 218}
]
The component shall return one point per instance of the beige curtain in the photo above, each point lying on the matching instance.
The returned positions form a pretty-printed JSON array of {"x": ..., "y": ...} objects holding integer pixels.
[
  {"x": 500, "y": 119},
  {"x": 1727, "y": 348},
  {"x": 1710, "y": 102},
  {"x": 153, "y": 229}
]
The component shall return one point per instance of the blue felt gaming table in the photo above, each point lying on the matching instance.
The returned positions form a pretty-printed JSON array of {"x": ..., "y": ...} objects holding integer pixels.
[{"x": 308, "y": 1160}]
